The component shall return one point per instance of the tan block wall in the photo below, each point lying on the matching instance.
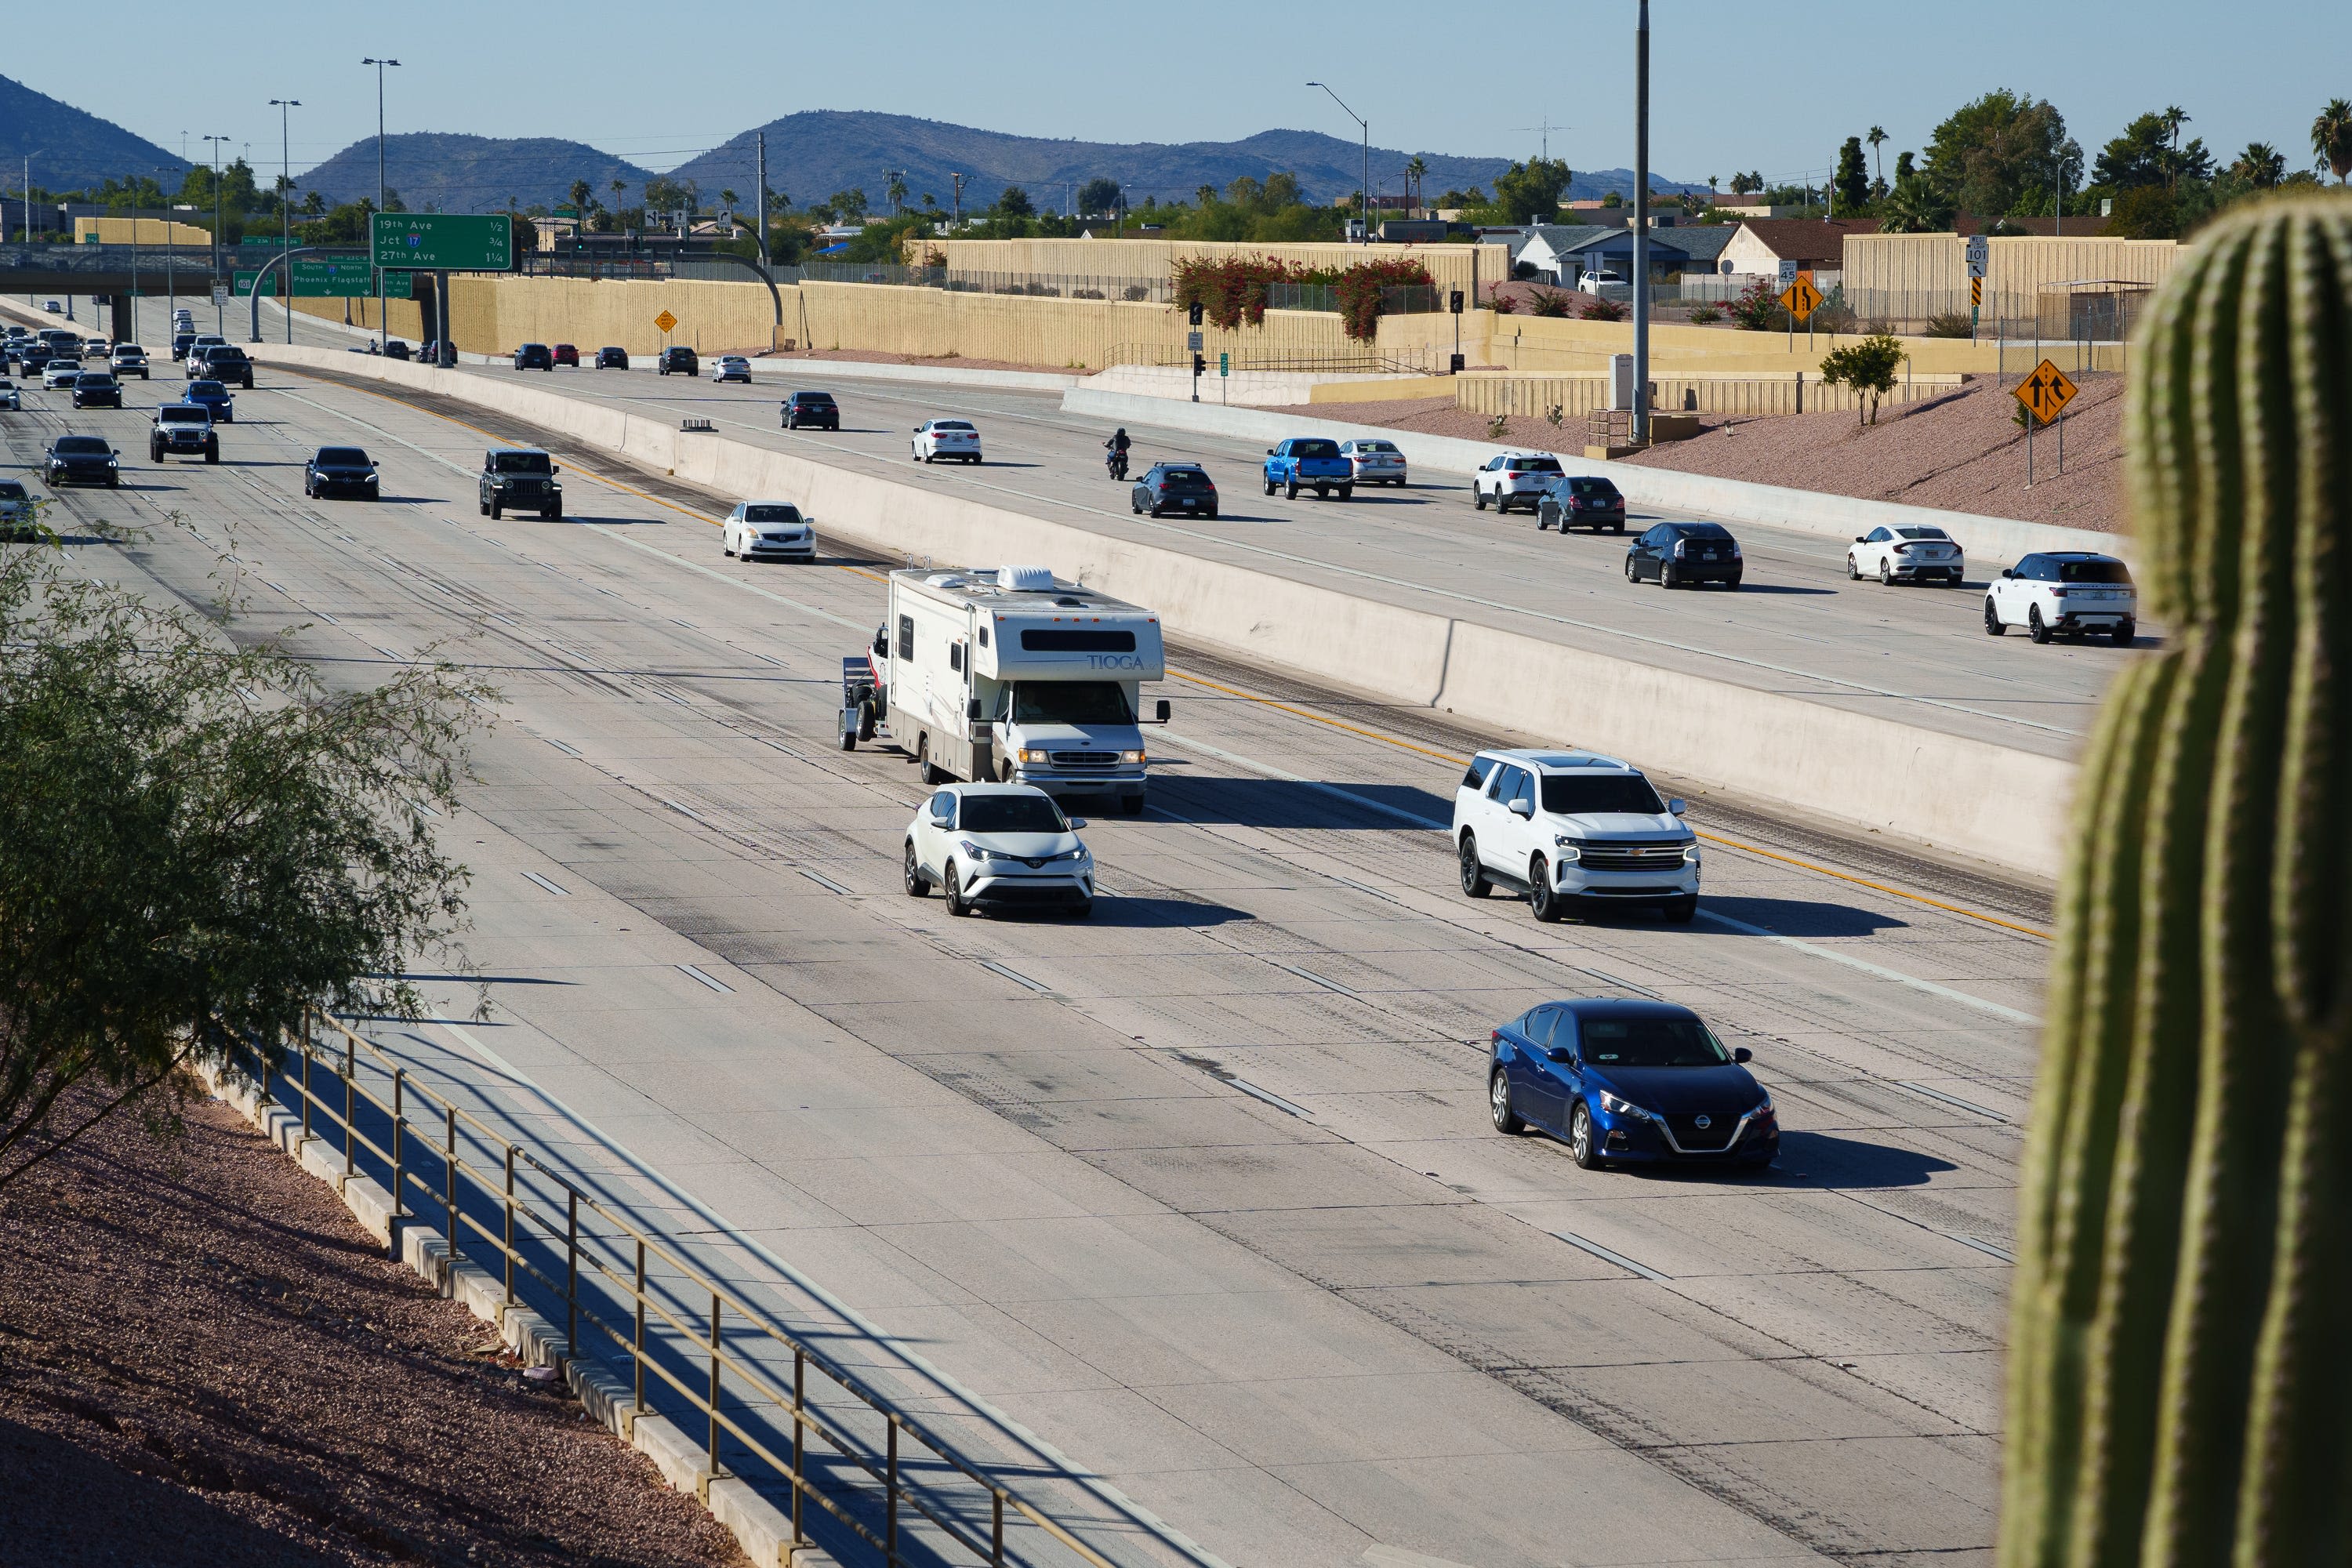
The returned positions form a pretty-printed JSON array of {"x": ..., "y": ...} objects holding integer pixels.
[
  {"x": 148, "y": 231},
  {"x": 1451, "y": 266},
  {"x": 407, "y": 316},
  {"x": 2016, "y": 269}
]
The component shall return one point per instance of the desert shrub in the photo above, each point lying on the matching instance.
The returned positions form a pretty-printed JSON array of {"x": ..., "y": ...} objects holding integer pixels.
[
  {"x": 1503, "y": 306},
  {"x": 1759, "y": 309},
  {"x": 1705, "y": 316},
  {"x": 1951, "y": 324},
  {"x": 1869, "y": 368},
  {"x": 1603, "y": 310},
  {"x": 1548, "y": 302}
]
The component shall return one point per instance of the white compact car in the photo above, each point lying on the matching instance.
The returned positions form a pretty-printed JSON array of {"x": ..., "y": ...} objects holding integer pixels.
[
  {"x": 768, "y": 531},
  {"x": 193, "y": 361},
  {"x": 9, "y": 400},
  {"x": 1514, "y": 479},
  {"x": 1376, "y": 462},
  {"x": 946, "y": 440},
  {"x": 1921, "y": 554},
  {"x": 1001, "y": 846},
  {"x": 2064, "y": 592},
  {"x": 731, "y": 368},
  {"x": 60, "y": 372},
  {"x": 128, "y": 359},
  {"x": 1572, "y": 827}
]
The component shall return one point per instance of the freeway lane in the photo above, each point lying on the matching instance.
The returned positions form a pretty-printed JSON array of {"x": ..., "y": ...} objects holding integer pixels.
[{"x": 1058, "y": 1158}]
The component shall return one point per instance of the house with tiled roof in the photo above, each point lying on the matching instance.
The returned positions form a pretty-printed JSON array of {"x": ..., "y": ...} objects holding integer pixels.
[{"x": 1760, "y": 245}]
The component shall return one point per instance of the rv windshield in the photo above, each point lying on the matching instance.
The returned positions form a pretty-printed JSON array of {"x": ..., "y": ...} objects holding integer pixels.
[{"x": 1070, "y": 702}]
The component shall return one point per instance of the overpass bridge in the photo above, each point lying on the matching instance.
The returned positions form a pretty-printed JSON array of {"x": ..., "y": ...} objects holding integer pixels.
[{"x": 111, "y": 274}]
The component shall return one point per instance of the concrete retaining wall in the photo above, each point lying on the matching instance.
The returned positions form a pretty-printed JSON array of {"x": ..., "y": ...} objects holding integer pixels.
[{"x": 1991, "y": 802}]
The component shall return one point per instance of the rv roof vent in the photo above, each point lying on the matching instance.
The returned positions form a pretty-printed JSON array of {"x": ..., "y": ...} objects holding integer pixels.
[
  {"x": 1025, "y": 579},
  {"x": 1067, "y": 603},
  {"x": 945, "y": 580}
]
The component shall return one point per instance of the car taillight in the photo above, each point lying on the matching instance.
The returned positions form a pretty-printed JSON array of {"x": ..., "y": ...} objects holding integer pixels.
[{"x": 1902, "y": 549}]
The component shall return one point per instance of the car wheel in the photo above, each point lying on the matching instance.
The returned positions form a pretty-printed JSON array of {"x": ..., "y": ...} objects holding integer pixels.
[
  {"x": 1477, "y": 498},
  {"x": 1631, "y": 575},
  {"x": 1498, "y": 1104},
  {"x": 1210, "y": 514},
  {"x": 917, "y": 885},
  {"x": 1269, "y": 487},
  {"x": 1579, "y": 1138},
  {"x": 1853, "y": 569},
  {"x": 1082, "y": 909},
  {"x": 497, "y": 510},
  {"x": 1993, "y": 626},
  {"x": 1473, "y": 871},
  {"x": 923, "y": 769},
  {"x": 553, "y": 514},
  {"x": 1950, "y": 580},
  {"x": 1346, "y": 492},
  {"x": 1732, "y": 584},
  {"x": 952, "y": 884},
  {"x": 481, "y": 506},
  {"x": 866, "y": 720},
  {"x": 2123, "y": 633},
  {"x": 1885, "y": 576},
  {"x": 2035, "y": 628},
  {"x": 1542, "y": 901},
  {"x": 1681, "y": 912},
  {"x": 1668, "y": 577}
]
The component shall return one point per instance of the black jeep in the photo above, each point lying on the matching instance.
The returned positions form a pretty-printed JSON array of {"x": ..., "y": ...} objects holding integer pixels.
[{"x": 519, "y": 478}]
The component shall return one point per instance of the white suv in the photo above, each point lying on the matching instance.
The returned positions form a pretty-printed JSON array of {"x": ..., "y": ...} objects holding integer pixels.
[
  {"x": 1907, "y": 555},
  {"x": 1561, "y": 826},
  {"x": 128, "y": 359},
  {"x": 950, "y": 440},
  {"x": 999, "y": 846},
  {"x": 1514, "y": 479},
  {"x": 2073, "y": 591}
]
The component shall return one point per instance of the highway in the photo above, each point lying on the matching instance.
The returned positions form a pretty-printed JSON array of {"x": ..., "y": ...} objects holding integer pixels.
[{"x": 1202, "y": 1193}]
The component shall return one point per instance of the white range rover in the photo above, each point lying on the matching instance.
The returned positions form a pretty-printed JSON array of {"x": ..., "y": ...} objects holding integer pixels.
[
  {"x": 2065, "y": 593},
  {"x": 1564, "y": 826}
]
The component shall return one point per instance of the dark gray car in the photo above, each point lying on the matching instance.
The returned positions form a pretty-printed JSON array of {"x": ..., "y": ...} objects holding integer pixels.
[{"x": 519, "y": 478}]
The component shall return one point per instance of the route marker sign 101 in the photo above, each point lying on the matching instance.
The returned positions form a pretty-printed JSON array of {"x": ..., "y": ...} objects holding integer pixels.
[
  {"x": 450, "y": 242},
  {"x": 664, "y": 321}
]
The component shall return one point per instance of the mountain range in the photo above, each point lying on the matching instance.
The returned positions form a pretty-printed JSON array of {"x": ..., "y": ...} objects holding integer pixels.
[
  {"x": 71, "y": 148},
  {"x": 471, "y": 173}
]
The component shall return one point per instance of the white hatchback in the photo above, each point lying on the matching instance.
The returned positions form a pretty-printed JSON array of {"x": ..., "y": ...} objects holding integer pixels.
[
  {"x": 2066, "y": 593},
  {"x": 947, "y": 440},
  {"x": 731, "y": 368},
  {"x": 999, "y": 846},
  {"x": 1921, "y": 554},
  {"x": 1565, "y": 828},
  {"x": 768, "y": 531}
]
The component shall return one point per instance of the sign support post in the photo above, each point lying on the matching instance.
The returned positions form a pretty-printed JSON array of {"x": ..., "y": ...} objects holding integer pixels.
[{"x": 2045, "y": 395}]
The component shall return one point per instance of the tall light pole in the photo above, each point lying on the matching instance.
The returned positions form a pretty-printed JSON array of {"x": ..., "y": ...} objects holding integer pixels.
[
  {"x": 286, "y": 107},
  {"x": 170, "y": 285},
  {"x": 1641, "y": 432},
  {"x": 382, "y": 326},
  {"x": 27, "y": 189},
  {"x": 219, "y": 321},
  {"x": 1366, "y": 192}
]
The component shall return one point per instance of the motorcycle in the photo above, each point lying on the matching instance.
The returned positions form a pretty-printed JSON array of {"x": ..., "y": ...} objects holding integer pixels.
[{"x": 1115, "y": 459}]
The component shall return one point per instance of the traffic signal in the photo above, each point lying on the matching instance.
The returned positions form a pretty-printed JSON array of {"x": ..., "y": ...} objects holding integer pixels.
[
  {"x": 1193, "y": 314},
  {"x": 1199, "y": 364},
  {"x": 1454, "y": 303}
]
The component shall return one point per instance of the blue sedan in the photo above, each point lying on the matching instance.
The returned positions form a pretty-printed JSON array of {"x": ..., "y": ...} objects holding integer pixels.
[
  {"x": 1630, "y": 1082},
  {"x": 216, "y": 396}
]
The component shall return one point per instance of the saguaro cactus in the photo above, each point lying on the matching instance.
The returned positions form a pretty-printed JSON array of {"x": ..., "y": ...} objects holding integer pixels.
[{"x": 2180, "y": 1371}]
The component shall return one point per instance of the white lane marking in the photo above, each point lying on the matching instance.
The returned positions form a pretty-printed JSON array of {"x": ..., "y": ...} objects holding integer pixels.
[
  {"x": 1954, "y": 1102},
  {"x": 1313, "y": 978},
  {"x": 710, "y": 980},
  {"x": 1619, "y": 1258},
  {"x": 1267, "y": 1095},
  {"x": 2009, "y": 1015},
  {"x": 1067, "y": 1468},
  {"x": 556, "y": 887}
]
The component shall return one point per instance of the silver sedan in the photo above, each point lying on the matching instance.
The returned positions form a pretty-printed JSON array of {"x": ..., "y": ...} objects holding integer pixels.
[{"x": 1376, "y": 462}]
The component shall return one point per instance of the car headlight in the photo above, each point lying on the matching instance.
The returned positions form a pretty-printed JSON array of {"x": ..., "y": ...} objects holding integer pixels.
[
  {"x": 1132, "y": 759},
  {"x": 1690, "y": 854},
  {"x": 1763, "y": 1107},
  {"x": 1030, "y": 756},
  {"x": 977, "y": 852},
  {"x": 1617, "y": 1107},
  {"x": 1569, "y": 849}
]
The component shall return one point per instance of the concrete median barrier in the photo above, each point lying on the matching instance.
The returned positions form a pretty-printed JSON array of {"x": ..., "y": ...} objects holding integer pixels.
[{"x": 1994, "y": 802}]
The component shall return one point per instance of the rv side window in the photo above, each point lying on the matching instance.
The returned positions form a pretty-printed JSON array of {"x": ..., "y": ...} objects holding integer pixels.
[
  {"x": 983, "y": 634},
  {"x": 955, "y": 656},
  {"x": 907, "y": 637}
]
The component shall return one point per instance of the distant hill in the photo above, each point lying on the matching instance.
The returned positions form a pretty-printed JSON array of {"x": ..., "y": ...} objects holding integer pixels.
[
  {"x": 469, "y": 174},
  {"x": 812, "y": 154},
  {"x": 73, "y": 149}
]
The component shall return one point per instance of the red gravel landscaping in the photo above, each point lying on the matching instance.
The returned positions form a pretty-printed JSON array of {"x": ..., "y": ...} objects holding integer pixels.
[{"x": 205, "y": 1360}]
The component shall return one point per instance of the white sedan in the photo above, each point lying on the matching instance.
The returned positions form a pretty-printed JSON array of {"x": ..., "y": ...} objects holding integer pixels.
[
  {"x": 768, "y": 531},
  {"x": 1922, "y": 554},
  {"x": 731, "y": 368},
  {"x": 953, "y": 440},
  {"x": 60, "y": 372},
  {"x": 999, "y": 846}
]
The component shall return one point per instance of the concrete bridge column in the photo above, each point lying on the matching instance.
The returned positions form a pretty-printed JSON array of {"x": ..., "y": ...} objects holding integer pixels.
[{"x": 122, "y": 324}]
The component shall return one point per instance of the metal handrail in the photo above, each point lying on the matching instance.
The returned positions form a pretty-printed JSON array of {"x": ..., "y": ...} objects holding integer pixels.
[{"x": 706, "y": 1338}]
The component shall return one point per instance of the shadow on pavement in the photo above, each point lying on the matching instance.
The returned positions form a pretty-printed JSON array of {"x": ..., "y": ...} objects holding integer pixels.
[
  {"x": 1803, "y": 917},
  {"x": 1283, "y": 803},
  {"x": 1825, "y": 1159}
]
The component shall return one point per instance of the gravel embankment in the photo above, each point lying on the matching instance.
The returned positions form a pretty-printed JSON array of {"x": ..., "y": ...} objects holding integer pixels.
[{"x": 204, "y": 1359}]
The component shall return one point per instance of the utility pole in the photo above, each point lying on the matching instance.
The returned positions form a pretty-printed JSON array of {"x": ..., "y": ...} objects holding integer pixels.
[
  {"x": 1365, "y": 193},
  {"x": 956, "y": 221},
  {"x": 171, "y": 287},
  {"x": 382, "y": 307},
  {"x": 1641, "y": 432},
  {"x": 219, "y": 321},
  {"x": 759, "y": 148},
  {"x": 286, "y": 107}
]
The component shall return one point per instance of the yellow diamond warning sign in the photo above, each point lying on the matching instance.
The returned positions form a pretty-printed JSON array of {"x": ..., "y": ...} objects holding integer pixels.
[
  {"x": 2046, "y": 392},
  {"x": 1802, "y": 298},
  {"x": 665, "y": 321}
]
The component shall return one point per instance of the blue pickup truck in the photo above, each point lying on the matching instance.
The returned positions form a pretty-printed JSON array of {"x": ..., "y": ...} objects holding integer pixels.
[{"x": 1310, "y": 463}]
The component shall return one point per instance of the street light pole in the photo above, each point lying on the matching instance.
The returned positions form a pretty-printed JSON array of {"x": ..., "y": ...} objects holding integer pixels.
[
  {"x": 220, "y": 323},
  {"x": 382, "y": 310},
  {"x": 170, "y": 285},
  {"x": 1366, "y": 125},
  {"x": 1641, "y": 431},
  {"x": 286, "y": 107}
]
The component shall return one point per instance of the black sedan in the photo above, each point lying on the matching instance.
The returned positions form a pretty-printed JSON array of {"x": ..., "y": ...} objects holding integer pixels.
[
  {"x": 1623, "y": 1082},
  {"x": 1174, "y": 487},
  {"x": 533, "y": 356},
  {"x": 1578, "y": 500},
  {"x": 82, "y": 460},
  {"x": 97, "y": 389},
  {"x": 344, "y": 469},
  {"x": 1678, "y": 554},
  {"x": 395, "y": 349},
  {"x": 609, "y": 358},
  {"x": 678, "y": 361},
  {"x": 816, "y": 409}
]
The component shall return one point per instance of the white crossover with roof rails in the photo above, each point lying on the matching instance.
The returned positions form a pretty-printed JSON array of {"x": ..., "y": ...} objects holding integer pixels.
[
  {"x": 999, "y": 846},
  {"x": 1919, "y": 553},
  {"x": 1514, "y": 479},
  {"x": 1567, "y": 827},
  {"x": 768, "y": 531},
  {"x": 1010, "y": 675}
]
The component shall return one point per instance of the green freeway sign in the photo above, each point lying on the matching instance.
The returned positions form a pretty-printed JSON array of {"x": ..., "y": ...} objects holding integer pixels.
[
  {"x": 459, "y": 242},
  {"x": 399, "y": 285},
  {"x": 333, "y": 278},
  {"x": 245, "y": 276}
]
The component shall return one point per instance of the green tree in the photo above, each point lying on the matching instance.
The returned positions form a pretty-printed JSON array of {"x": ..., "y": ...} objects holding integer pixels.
[
  {"x": 2261, "y": 165},
  {"x": 1098, "y": 196},
  {"x": 581, "y": 192},
  {"x": 2146, "y": 154},
  {"x": 1851, "y": 189},
  {"x": 1915, "y": 206},
  {"x": 1016, "y": 203},
  {"x": 1986, "y": 155},
  {"x": 1877, "y": 140},
  {"x": 2331, "y": 139},
  {"x": 1531, "y": 190},
  {"x": 894, "y": 192},
  {"x": 1904, "y": 168},
  {"x": 1869, "y": 367},
  {"x": 264, "y": 846},
  {"x": 2145, "y": 212}
]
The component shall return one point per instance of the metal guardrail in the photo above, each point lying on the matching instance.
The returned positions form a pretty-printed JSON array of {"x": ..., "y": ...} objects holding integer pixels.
[{"x": 716, "y": 1356}]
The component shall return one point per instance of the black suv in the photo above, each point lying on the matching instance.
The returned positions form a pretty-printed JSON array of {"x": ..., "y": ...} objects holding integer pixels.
[
  {"x": 815, "y": 409},
  {"x": 97, "y": 389},
  {"x": 226, "y": 361},
  {"x": 1174, "y": 487},
  {"x": 519, "y": 478},
  {"x": 682, "y": 361},
  {"x": 394, "y": 349},
  {"x": 533, "y": 356},
  {"x": 1579, "y": 501},
  {"x": 332, "y": 468},
  {"x": 612, "y": 359},
  {"x": 185, "y": 429},
  {"x": 80, "y": 461}
]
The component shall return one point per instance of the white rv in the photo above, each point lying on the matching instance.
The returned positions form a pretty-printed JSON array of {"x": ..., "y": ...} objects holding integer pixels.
[{"x": 1008, "y": 674}]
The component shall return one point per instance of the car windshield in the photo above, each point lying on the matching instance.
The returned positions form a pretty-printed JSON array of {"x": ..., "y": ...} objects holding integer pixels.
[
  {"x": 1070, "y": 702},
  {"x": 1649, "y": 1042},
  {"x": 1315, "y": 448},
  {"x": 10, "y": 489},
  {"x": 81, "y": 445},
  {"x": 734, "y": 359},
  {"x": 2094, "y": 572},
  {"x": 129, "y": 349},
  {"x": 92, "y": 378},
  {"x": 1184, "y": 479},
  {"x": 342, "y": 457},
  {"x": 520, "y": 463},
  {"x": 1568, "y": 795},
  {"x": 183, "y": 413},
  {"x": 1010, "y": 814},
  {"x": 206, "y": 389},
  {"x": 771, "y": 514}
]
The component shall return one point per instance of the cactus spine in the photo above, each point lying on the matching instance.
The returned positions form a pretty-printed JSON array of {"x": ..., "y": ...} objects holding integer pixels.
[{"x": 2181, "y": 1360}]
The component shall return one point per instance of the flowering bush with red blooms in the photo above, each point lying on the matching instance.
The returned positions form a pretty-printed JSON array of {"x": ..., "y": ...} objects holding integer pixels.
[
  {"x": 1549, "y": 301},
  {"x": 1230, "y": 289},
  {"x": 1758, "y": 309},
  {"x": 1502, "y": 305},
  {"x": 1603, "y": 310},
  {"x": 1359, "y": 287}
]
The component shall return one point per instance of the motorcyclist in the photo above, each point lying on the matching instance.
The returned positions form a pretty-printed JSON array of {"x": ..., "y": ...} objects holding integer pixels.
[{"x": 1116, "y": 446}]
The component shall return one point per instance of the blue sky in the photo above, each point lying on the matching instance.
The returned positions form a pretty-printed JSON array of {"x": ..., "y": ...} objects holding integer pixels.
[{"x": 1735, "y": 85}]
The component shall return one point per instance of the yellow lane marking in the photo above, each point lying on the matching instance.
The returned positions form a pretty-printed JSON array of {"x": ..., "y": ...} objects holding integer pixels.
[{"x": 1816, "y": 869}]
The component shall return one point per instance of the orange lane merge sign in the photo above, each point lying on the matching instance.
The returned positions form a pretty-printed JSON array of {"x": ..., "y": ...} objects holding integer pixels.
[
  {"x": 2046, "y": 392},
  {"x": 1802, "y": 298},
  {"x": 665, "y": 321}
]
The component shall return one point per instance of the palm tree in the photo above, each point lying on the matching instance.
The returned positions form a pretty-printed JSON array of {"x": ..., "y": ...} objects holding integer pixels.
[
  {"x": 897, "y": 190},
  {"x": 1414, "y": 171},
  {"x": 2174, "y": 119},
  {"x": 1914, "y": 207},
  {"x": 1877, "y": 139},
  {"x": 2261, "y": 165},
  {"x": 618, "y": 187},
  {"x": 2331, "y": 137}
]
